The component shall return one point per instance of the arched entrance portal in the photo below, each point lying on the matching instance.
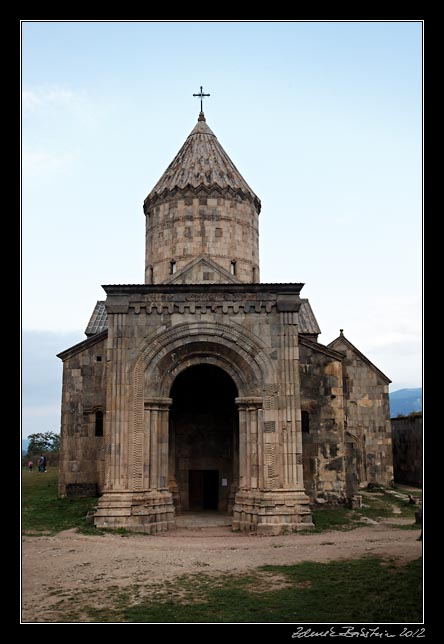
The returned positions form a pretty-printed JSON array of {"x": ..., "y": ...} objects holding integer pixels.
[
  {"x": 203, "y": 440},
  {"x": 150, "y": 451}
]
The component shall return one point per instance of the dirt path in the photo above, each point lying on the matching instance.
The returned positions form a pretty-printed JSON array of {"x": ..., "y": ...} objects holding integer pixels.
[{"x": 69, "y": 563}]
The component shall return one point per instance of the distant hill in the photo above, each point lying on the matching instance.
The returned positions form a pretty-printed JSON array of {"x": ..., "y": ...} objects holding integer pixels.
[{"x": 404, "y": 401}]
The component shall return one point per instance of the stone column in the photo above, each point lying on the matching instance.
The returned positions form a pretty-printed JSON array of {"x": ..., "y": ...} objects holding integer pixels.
[
  {"x": 272, "y": 499},
  {"x": 148, "y": 507},
  {"x": 115, "y": 504},
  {"x": 293, "y": 478},
  {"x": 116, "y": 417},
  {"x": 254, "y": 445},
  {"x": 242, "y": 447},
  {"x": 156, "y": 431},
  {"x": 250, "y": 437}
]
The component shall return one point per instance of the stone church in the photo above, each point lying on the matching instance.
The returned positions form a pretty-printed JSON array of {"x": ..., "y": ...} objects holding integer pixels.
[{"x": 206, "y": 390}]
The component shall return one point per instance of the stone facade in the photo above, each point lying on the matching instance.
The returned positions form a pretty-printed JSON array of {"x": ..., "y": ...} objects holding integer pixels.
[
  {"x": 82, "y": 456},
  {"x": 366, "y": 416},
  {"x": 247, "y": 331},
  {"x": 407, "y": 449},
  {"x": 322, "y": 408},
  {"x": 203, "y": 389}
]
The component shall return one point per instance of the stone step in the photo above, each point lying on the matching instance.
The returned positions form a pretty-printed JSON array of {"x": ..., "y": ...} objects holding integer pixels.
[{"x": 202, "y": 520}]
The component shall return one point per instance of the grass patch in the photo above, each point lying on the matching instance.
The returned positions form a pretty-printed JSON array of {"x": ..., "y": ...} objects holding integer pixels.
[
  {"x": 414, "y": 489},
  {"x": 43, "y": 512},
  {"x": 382, "y": 506},
  {"x": 332, "y": 518},
  {"x": 362, "y": 590}
]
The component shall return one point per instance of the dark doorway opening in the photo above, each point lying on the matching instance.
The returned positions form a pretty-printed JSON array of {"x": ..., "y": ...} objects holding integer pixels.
[
  {"x": 203, "y": 489},
  {"x": 203, "y": 440}
]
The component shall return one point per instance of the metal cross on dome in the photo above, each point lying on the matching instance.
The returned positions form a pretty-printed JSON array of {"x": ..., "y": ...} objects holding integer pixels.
[{"x": 201, "y": 95}]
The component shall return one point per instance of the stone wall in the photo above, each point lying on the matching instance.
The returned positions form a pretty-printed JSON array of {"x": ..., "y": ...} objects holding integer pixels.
[
  {"x": 323, "y": 425},
  {"x": 81, "y": 466},
  {"x": 223, "y": 229},
  {"x": 367, "y": 415},
  {"x": 407, "y": 449}
]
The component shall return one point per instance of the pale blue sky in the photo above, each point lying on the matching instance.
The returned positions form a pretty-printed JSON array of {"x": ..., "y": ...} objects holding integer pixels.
[{"x": 322, "y": 119}]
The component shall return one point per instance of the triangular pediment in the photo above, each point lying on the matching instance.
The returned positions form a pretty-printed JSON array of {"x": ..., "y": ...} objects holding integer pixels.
[
  {"x": 341, "y": 344},
  {"x": 202, "y": 270}
]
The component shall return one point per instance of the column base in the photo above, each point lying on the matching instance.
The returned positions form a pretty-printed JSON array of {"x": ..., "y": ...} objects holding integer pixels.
[
  {"x": 148, "y": 512},
  {"x": 273, "y": 513}
]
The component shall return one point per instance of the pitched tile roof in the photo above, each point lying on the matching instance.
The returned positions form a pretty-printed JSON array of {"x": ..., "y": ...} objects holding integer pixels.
[
  {"x": 98, "y": 321},
  {"x": 201, "y": 163},
  {"x": 307, "y": 320}
]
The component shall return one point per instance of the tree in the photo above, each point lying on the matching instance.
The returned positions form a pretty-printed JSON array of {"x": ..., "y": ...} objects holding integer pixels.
[{"x": 44, "y": 442}]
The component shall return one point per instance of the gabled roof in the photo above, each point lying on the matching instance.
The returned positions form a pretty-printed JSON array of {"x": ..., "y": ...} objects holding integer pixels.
[
  {"x": 320, "y": 348},
  {"x": 341, "y": 339},
  {"x": 81, "y": 346},
  {"x": 201, "y": 163}
]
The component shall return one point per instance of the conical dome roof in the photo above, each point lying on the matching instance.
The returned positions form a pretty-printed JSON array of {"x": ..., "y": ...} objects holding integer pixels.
[{"x": 201, "y": 163}]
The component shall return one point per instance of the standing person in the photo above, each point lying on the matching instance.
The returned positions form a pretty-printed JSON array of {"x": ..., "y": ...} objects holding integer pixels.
[
  {"x": 43, "y": 463},
  {"x": 30, "y": 464},
  {"x": 39, "y": 463}
]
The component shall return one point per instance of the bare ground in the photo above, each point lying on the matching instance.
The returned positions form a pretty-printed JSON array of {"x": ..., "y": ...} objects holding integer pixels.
[{"x": 72, "y": 566}]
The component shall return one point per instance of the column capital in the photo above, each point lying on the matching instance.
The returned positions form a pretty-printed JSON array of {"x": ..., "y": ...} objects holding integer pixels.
[
  {"x": 288, "y": 302},
  {"x": 154, "y": 404},
  {"x": 254, "y": 402}
]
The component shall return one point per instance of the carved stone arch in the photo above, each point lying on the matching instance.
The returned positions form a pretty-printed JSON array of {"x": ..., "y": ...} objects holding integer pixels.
[
  {"x": 196, "y": 356},
  {"x": 166, "y": 353},
  {"x": 354, "y": 438},
  {"x": 243, "y": 343}
]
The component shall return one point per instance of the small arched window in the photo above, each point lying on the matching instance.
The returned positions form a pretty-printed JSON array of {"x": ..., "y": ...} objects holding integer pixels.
[
  {"x": 99, "y": 423},
  {"x": 233, "y": 267},
  {"x": 305, "y": 422},
  {"x": 172, "y": 267}
]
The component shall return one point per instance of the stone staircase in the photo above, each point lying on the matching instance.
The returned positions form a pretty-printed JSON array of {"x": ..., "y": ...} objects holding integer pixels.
[{"x": 202, "y": 520}]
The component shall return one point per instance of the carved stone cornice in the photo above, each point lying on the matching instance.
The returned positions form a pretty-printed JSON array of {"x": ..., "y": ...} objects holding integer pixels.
[
  {"x": 197, "y": 191},
  {"x": 199, "y": 306},
  {"x": 289, "y": 290},
  {"x": 191, "y": 298}
]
